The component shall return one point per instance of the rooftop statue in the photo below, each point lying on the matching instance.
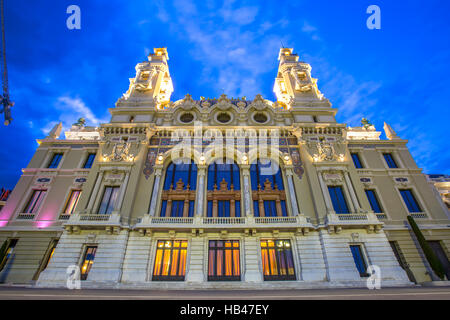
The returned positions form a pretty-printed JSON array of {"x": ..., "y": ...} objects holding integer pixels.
[
  {"x": 80, "y": 123},
  {"x": 365, "y": 123}
]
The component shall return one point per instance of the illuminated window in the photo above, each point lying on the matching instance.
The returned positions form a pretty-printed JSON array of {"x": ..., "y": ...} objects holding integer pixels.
[
  {"x": 269, "y": 197},
  {"x": 178, "y": 196},
  {"x": 72, "y": 201},
  {"x": 87, "y": 262},
  {"x": 89, "y": 161},
  {"x": 35, "y": 201},
  {"x": 55, "y": 161},
  {"x": 359, "y": 259},
  {"x": 373, "y": 200},
  {"x": 9, "y": 251},
  {"x": 277, "y": 260},
  {"x": 410, "y": 200},
  {"x": 338, "y": 199},
  {"x": 224, "y": 260},
  {"x": 47, "y": 259},
  {"x": 170, "y": 260},
  {"x": 108, "y": 200},
  {"x": 356, "y": 161},
  {"x": 224, "y": 196},
  {"x": 390, "y": 160}
]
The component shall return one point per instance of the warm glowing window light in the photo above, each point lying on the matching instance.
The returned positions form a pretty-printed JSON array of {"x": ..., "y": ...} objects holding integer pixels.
[
  {"x": 224, "y": 260},
  {"x": 277, "y": 260},
  {"x": 170, "y": 260},
  {"x": 72, "y": 201},
  {"x": 88, "y": 261}
]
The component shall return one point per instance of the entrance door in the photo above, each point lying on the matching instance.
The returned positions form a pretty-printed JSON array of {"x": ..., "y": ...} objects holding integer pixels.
[{"x": 442, "y": 257}]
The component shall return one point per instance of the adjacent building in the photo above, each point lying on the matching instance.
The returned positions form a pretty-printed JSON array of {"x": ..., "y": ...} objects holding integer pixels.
[{"x": 221, "y": 193}]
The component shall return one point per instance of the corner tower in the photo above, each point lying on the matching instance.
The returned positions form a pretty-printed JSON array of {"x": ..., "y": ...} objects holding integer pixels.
[{"x": 152, "y": 86}]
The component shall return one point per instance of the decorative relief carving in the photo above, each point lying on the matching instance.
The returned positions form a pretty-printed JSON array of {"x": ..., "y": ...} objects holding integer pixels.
[
  {"x": 326, "y": 150},
  {"x": 297, "y": 163},
  {"x": 149, "y": 163},
  {"x": 332, "y": 176},
  {"x": 366, "y": 181},
  {"x": 121, "y": 151},
  {"x": 43, "y": 181},
  {"x": 403, "y": 181},
  {"x": 114, "y": 177}
]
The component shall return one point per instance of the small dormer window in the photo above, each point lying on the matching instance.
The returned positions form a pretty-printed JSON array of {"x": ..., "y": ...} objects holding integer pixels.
[
  {"x": 260, "y": 117},
  {"x": 187, "y": 117},
  {"x": 223, "y": 117},
  {"x": 144, "y": 76}
]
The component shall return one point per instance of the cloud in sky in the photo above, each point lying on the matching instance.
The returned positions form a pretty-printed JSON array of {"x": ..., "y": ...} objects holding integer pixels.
[{"x": 232, "y": 47}]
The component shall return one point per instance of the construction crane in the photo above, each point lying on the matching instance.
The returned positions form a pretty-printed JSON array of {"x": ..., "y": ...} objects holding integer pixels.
[{"x": 5, "y": 102}]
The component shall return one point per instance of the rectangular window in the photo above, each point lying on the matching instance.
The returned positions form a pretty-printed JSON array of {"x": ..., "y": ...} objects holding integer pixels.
[
  {"x": 170, "y": 260},
  {"x": 9, "y": 251},
  {"x": 277, "y": 260},
  {"x": 72, "y": 201},
  {"x": 441, "y": 256},
  {"x": 338, "y": 199},
  {"x": 256, "y": 207},
  {"x": 89, "y": 161},
  {"x": 356, "y": 161},
  {"x": 410, "y": 200},
  {"x": 373, "y": 200},
  {"x": 223, "y": 208},
  {"x": 224, "y": 260},
  {"x": 270, "y": 209},
  {"x": 360, "y": 262},
  {"x": 398, "y": 254},
  {"x": 390, "y": 160},
  {"x": 88, "y": 260},
  {"x": 50, "y": 255},
  {"x": 46, "y": 259},
  {"x": 55, "y": 161},
  {"x": 35, "y": 201},
  {"x": 109, "y": 200}
]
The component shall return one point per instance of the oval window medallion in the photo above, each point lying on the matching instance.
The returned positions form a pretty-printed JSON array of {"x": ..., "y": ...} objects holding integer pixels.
[
  {"x": 223, "y": 117},
  {"x": 260, "y": 117},
  {"x": 187, "y": 117}
]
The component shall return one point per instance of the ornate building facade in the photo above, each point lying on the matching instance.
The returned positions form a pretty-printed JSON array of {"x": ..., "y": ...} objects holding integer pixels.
[{"x": 221, "y": 193}]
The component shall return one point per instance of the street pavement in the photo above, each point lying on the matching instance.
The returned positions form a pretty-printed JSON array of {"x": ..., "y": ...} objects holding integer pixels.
[{"x": 411, "y": 293}]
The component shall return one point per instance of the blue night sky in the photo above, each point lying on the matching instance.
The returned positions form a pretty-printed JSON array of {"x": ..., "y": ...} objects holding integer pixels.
[{"x": 399, "y": 74}]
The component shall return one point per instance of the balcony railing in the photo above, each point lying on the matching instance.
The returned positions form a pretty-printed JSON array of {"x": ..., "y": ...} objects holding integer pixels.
[
  {"x": 174, "y": 220},
  {"x": 352, "y": 217},
  {"x": 419, "y": 215},
  {"x": 223, "y": 220},
  {"x": 270, "y": 220},
  {"x": 25, "y": 216},
  {"x": 95, "y": 217}
]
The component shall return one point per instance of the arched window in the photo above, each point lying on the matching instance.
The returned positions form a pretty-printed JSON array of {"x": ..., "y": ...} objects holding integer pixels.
[
  {"x": 224, "y": 185},
  {"x": 178, "y": 196},
  {"x": 269, "y": 197}
]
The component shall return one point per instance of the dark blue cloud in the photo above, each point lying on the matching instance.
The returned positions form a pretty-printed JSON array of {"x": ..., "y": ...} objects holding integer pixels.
[{"x": 397, "y": 74}]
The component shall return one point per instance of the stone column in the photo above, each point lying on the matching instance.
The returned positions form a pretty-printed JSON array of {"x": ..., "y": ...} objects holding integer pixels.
[
  {"x": 352, "y": 192},
  {"x": 292, "y": 194},
  {"x": 201, "y": 172},
  {"x": 247, "y": 191},
  {"x": 348, "y": 196},
  {"x": 95, "y": 191},
  {"x": 326, "y": 195},
  {"x": 151, "y": 210},
  {"x": 123, "y": 189},
  {"x": 252, "y": 270},
  {"x": 197, "y": 258}
]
